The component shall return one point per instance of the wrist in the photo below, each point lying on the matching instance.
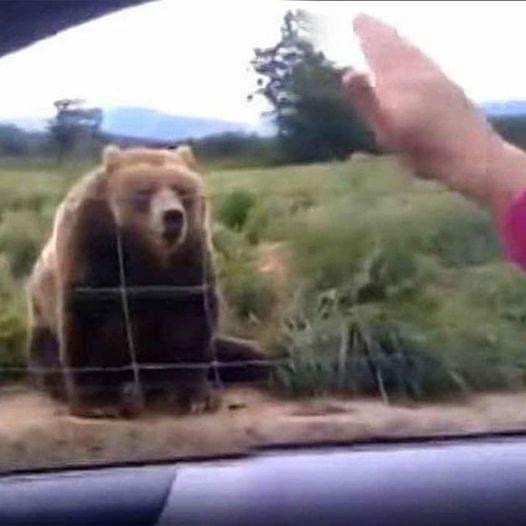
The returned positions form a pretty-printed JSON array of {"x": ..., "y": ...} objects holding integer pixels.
[
  {"x": 493, "y": 174},
  {"x": 506, "y": 176}
]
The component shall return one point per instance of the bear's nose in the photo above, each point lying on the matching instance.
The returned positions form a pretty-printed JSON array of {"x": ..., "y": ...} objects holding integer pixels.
[
  {"x": 173, "y": 223},
  {"x": 173, "y": 217}
]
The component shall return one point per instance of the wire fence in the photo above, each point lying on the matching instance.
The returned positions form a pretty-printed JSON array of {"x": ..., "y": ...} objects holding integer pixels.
[
  {"x": 149, "y": 366},
  {"x": 123, "y": 293},
  {"x": 140, "y": 292}
]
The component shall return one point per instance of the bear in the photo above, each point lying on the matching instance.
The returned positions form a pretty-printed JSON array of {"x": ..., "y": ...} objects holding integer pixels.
[{"x": 127, "y": 278}]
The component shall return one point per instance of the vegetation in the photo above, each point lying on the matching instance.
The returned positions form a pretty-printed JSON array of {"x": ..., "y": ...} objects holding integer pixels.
[
  {"x": 237, "y": 150},
  {"x": 75, "y": 129},
  {"x": 394, "y": 287},
  {"x": 313, "y": 120}
]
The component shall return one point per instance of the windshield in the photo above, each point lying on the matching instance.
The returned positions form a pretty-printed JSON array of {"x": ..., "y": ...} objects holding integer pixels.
[{"x": 206, "y": 246}]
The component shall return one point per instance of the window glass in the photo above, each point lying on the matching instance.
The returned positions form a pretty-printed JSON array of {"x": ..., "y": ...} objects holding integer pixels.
[{"x": 205, "y": 249}]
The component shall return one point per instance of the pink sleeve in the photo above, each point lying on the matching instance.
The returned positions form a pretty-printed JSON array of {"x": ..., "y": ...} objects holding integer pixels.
[{"x": 513, "y": 231}]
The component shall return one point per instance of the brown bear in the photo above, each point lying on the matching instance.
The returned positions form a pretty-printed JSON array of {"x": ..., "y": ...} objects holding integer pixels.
[{"x": 127, "y": 278}]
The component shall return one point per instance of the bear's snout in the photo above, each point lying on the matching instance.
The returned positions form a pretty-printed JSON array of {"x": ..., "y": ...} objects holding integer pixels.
[{"x": 173, "y": 224}]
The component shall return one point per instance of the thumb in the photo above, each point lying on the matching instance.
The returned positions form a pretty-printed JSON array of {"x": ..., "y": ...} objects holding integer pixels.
[{"x": 362, "y": 96}]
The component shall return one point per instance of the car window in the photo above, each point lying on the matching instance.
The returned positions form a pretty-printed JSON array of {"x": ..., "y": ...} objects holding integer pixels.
[{"x": 205, "y": 249}]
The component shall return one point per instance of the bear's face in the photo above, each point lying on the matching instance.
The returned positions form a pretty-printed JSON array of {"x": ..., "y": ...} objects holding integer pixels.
[{"x": 163, "y": 205}]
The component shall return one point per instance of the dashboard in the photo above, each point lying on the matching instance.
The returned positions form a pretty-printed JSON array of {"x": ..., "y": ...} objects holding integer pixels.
[{"x": 445, "y": 481}]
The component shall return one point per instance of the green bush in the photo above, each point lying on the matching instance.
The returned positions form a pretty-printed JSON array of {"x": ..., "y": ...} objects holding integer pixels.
[
  {"x": 35, "y": 200},
  {"x": 234, "y": 209},
  {"x": 248, "y": 293},
  {"x": 12, "y": 337},
  {"x": 465, "y": 238},
  {"x": 21, "y": 236},
  {"x": 268, "y": 220},
  {"x": 327, "y": 252},
  {"x": 228, "y": 244},
  {"x": 362, "y": 350},
  {"x": 340, "y": 247},
  {"x": 13, "y": 321},
  {"x": 410, "y": 273}
]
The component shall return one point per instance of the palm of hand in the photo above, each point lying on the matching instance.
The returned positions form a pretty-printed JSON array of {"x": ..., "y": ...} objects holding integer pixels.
[{"x": 414, "y": 108}]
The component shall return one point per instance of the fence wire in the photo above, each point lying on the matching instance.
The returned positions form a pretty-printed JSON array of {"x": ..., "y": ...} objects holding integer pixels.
[
  {"x": 148, "y": 366},
  {"x": 124, "y": 293}
]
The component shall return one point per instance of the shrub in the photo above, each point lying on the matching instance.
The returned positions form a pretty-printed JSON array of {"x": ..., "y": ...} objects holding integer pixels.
[
  {"x": 342, "y": 247},
  {"x": 12, "y": 321},
  {"x": 408, "y": 273},
  {"x": 465, "y": 238},
  {"x": 21, "y": 236},
  {"x": 327, "y": 252},
  {"x": 234, "y": 209},
  {"x": 248, "y": 293},
  {"x": 12, "y": 340},
  {"x": 267, "y": 220},
  {"x": 363, "y": 355},
  {"x": 228, "y": 244}
]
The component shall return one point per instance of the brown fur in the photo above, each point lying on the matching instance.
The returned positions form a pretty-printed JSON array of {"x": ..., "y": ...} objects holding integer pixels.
[{"x": 155, "y": 200}]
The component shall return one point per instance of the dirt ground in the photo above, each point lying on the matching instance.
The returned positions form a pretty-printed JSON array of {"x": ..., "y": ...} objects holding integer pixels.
[{"x": 35, "y": 432}]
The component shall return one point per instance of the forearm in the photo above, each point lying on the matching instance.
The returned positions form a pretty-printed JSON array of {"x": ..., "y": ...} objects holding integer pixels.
[
  {"x": 498, "y": 181},
  {"x": 417, "y": 111},
  {"x": 494, "y": 175},
  {"x": 508, "y": 180}
]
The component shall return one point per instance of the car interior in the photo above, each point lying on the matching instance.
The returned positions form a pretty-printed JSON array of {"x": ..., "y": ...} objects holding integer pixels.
[{"x": 471, "y": 477}]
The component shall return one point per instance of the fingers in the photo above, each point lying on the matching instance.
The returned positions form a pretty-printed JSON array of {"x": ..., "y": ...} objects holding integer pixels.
[
  {"x": 365, "y": 25},
  {"x": 386, "y": 51},
  {"x": 363, "y": 97}
]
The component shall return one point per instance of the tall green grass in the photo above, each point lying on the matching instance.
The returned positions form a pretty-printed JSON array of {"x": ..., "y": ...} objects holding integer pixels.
[{"x": 396, "y": 287}]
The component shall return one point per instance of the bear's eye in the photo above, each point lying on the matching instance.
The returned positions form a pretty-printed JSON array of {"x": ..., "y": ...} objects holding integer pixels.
[
  {"x": 186, "y": 195},
  {"x": 144, "y": 192},
  {"x": 142, "y": 196}
]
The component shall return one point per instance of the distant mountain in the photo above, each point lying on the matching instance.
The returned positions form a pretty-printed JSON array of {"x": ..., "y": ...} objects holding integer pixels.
[
  {"x": 144, "y": 123},
  {"x": 28, "y": 124},
  {"x": 512, "y": 108},
  {"x": 147, "y": 124}
]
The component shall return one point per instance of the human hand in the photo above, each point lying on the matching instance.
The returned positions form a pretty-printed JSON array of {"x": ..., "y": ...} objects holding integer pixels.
[{"x": 416, "y": 110}]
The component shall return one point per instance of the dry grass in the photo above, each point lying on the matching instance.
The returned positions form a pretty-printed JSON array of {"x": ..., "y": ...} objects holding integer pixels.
[
  {"x": 35, "y": 432},
  {"x": 308, "y": 233}
]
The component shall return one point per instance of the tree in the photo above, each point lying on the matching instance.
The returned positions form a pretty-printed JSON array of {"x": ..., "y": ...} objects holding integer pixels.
[
  {"x": 313, "y": 120},
  {"x": 13, "y": 141},
  {"x": 74, "y": 125}
]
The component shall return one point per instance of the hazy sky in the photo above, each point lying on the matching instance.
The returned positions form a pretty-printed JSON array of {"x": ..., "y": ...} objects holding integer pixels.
[{"x": 191, "y": 57}]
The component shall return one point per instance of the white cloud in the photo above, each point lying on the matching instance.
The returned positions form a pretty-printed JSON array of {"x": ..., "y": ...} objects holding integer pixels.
[
  {"x": 193, "y": 58},
  {"x": 190, "y": 61}
]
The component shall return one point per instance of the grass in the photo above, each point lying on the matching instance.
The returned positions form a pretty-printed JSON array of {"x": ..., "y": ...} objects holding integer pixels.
[{"x": 395, "y": 286}]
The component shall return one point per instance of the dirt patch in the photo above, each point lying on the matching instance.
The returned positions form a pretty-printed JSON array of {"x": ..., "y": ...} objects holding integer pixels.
[
  {"x": 35, "y": 432},
  {"x": 273, "y": 261}
]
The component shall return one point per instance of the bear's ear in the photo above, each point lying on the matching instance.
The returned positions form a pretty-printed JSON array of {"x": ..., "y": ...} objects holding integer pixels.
[
  {"x": 185, "y": 155},
  {"x": 111, "y": 157}
]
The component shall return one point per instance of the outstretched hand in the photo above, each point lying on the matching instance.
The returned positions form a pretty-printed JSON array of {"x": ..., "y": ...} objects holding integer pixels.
[{"x": 416, "y": 110}]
